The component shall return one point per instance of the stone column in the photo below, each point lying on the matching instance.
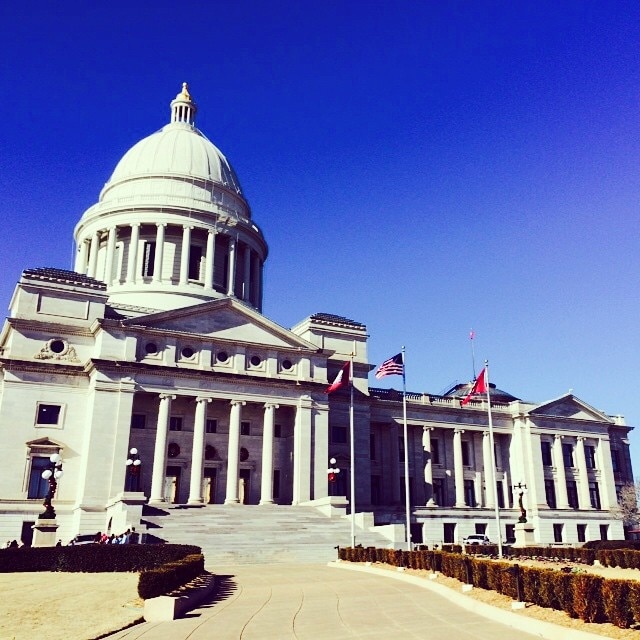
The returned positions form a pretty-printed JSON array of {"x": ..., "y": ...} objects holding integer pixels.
[
  {"x": 302, "y": 451},
  {"x": 184, "y": 255},
  {"x": 232, "y": 267},
  {"x": 197, "y": 454},
  {"x": 489, "y": 472},
  {"x": 607, "y": 487},
  {"x": 133, "y": 253},
  {"x": 111, "y": 252},
  {"x": 81, "y": 257},
  {"x": 584, "y": 499},
  {"x": 561, "y": 478},
  {"x": 157, "y": 263},
  {"x": 93, "y": 255},
  {"x": 233, "y": 453},
  {"x": 266, "y": 486},
  {"x": 209, "y": 261},
  {"x": 458, "y": 468},
  {"x": 160, "y": 450},
  {"x": 428, "y": 465},
  {"x": 247, "y": 274}
]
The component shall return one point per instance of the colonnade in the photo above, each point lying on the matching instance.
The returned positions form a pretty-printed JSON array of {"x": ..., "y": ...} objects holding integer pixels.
[
  {"x": 233, "y": 452},
  {"x": 243, "y": 279}
]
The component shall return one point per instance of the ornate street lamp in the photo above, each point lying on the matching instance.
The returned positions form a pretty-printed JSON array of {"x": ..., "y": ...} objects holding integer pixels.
[
  {"x": 133, "y": 470},
  {"x": 52, "y": 474},
  {"x": 332, "y": 473},
  {"x": 522, "y": 490}
]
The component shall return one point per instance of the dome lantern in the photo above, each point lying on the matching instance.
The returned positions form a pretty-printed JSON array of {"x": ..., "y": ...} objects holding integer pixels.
[{"x": 183, "y": 108}]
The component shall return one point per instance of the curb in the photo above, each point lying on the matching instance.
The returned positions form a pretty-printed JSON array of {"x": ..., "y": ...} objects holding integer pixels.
[{"x": 545, "y": 630}]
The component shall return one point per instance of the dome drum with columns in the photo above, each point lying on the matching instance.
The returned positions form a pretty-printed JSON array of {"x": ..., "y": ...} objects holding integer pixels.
[{"x": 171, "y": 227}]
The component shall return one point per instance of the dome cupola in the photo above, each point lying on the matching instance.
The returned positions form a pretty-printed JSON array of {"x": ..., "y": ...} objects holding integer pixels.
[{"x": 171, "y": 227}]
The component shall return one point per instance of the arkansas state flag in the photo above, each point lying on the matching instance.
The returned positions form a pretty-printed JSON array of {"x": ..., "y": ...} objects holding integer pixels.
[
  {"x": 479, "y": 386},
  {"x": 342, "y": 379}
]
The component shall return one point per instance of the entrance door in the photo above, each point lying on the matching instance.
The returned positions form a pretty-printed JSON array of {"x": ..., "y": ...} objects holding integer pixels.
[
  {"x": 172, "y": 484},
  {"x": 243, "y": 486},
  {"x": 209, "y": 486}
]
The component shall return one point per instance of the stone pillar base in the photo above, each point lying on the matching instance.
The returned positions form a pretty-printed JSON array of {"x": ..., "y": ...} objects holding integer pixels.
[
  {"x": 44, "y": 533},
  {"x": 524, "y": 535}
]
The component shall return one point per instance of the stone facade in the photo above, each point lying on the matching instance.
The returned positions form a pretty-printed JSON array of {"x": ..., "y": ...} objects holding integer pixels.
[{"x": 156, "y": 343}]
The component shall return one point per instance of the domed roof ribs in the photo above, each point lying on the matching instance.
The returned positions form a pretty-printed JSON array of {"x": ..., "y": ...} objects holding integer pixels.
[{"x": 183, "y": 108}]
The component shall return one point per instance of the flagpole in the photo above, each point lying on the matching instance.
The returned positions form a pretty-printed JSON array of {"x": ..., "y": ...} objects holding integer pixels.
[
  {"x": 493, "y": 459},
  {"x": 472, "y": 335},
  {"x": 352, "y": 453},
  {"x": 406, "y": 452}
]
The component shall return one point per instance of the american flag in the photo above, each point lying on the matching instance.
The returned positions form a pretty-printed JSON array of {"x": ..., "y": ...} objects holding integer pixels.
[{"x": 391, "y": 367}]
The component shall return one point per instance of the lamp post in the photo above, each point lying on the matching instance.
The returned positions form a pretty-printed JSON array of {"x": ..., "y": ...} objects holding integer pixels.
[
  {"x": 52, "y": 474},
  {"x": 332, "y": 472},
  {"x": 522, "y": 490},
  {"x": 133, "y": 470}
]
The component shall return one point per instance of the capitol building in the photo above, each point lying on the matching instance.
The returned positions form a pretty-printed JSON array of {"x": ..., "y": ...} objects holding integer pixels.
[{"x": 155, "y": 349}]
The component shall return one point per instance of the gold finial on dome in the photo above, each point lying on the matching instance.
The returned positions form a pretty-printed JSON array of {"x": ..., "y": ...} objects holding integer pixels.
[
  {"x": 183, "y": 108},
  {"x": 184, "y": 94}
]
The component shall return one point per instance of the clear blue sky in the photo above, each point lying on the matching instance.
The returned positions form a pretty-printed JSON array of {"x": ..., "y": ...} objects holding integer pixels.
[{"x": 422, "y": 167}]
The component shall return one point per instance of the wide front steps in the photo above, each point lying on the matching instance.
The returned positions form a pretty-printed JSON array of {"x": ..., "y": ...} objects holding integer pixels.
[{"x": 255, "y": 534}]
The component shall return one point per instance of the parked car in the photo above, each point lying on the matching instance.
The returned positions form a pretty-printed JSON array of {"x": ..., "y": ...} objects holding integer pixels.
[
  {"x": 477, "y": 538},
  {"x": 84, "y": 538}
]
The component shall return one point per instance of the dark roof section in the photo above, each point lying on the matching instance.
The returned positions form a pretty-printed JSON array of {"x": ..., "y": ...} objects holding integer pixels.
[
  {"x": 331, "y": 318},
  {"x": 63, "y": 276},
  {"x": 463, "y": 390}
]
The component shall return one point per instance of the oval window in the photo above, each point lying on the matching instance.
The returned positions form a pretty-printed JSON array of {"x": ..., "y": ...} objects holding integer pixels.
[
  {"x": 209, "y": 452},
  {"x": 174, "y": 450},
  {"x": 244, "y": 454},
  {"x": 187, "y": 352},
  {"x": 57, "y": 346},
  {"x": 222, "y": 356},
  {"x": 151, "y": 348},
  {"x": 287, "y": 364},
  {"x": 255, "y": 361}
]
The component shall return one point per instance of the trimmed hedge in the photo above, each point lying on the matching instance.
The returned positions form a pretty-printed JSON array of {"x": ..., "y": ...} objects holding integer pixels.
[
  {"x": 168, "y": 577},
  {"x": 93, "y": 558},
  {"x": 581, "y": 595}
]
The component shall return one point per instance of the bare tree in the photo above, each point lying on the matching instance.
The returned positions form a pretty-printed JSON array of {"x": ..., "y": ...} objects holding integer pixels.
[{"x": 628, "y": 499}]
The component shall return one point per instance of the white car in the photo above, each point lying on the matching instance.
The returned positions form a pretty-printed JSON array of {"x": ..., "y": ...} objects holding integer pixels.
[{"x": 477, "y": 538}]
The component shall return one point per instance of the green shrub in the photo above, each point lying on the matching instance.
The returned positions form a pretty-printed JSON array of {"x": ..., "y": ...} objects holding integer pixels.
[
  {"x": 168, "y": 577},
  {"x": 616, "y": 602},
  {"x": 634, "y": 600},
  {"x": 563, "y": 588},
  {"x": 531, "y": 579}
]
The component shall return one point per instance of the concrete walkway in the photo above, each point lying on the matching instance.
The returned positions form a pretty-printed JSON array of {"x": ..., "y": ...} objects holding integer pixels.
[{"x": 278, "y": 602}]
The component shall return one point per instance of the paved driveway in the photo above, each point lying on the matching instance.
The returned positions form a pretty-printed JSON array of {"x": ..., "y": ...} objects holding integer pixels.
[{"x": 309, "y": 602}]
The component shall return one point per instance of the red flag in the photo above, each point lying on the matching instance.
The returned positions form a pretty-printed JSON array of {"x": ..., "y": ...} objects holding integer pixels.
[
  {"x": 479, "y": 386},
  {"x": 342, "y": 379}
]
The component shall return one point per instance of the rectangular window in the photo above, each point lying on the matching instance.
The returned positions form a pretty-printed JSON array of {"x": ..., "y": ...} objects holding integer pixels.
[
  {"x": 338, "y": 435},
  {"x": 372, "y": 446},
  {"x": 500, "y": 494},
  {"x": 195, "y": 260},
  {"x": 138, "y": 421},
  {"x": 438, "y": 491},
  {"x": 175, "y": 423},
  {"x": 211, "y": 426},
  {"x": 615, "y": 460},
  {"x": 572, "y": 494},
  {"x": 594, "y": 495},
  {"x": 558, "y": 532},
  {"x": 547, "y": 460},
  {"x": 466, "y": 461},
  {"x": 48, "y": 414},
  {"x": 148, "y": 258},
  {"x": 481, "y": 528},
  {"x": 582, "y": 532},
  {"x": 376, "y": 493},
  {"x": 604, "y": 532},
  {"x": 470, "y": 493},
  {"x": 567, "y": 455},
  {"x": 435, "y": 451},
  {"x": 550, "y": 493},
  {"x": 245, "y": 428},
  {"x": 38, "y": 486},
  {"x": 277, "y": 431},
  {"x": 400, "y": 449},
  {"x": 510, "y": 533},
  {"x": 590, "y": 455},
  {"x": 449, "y": 531}
]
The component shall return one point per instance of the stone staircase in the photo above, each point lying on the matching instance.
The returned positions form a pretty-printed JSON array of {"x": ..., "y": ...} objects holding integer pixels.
[{"x": 255, "y": 534}]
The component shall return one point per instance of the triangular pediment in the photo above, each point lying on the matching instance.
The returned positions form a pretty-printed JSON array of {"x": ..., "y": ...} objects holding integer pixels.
[
  {"x": 225, "y": 319},
  {"x": 568, "y": 406},
  {"x": 43, "y": 442}
]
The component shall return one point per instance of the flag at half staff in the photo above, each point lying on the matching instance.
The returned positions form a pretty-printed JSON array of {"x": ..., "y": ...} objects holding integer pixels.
[
  {"x": 341, "y": 380},
  {"x": 391, "y": 367},
  {"x": 479, "y": 386}
]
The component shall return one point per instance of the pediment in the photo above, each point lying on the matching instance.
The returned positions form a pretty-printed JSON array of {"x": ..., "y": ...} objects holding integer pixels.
[
  {"x": 225, "y": 319},
  {"x": 43, "y": 442},
  {"x": 569, "y": 406}
]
